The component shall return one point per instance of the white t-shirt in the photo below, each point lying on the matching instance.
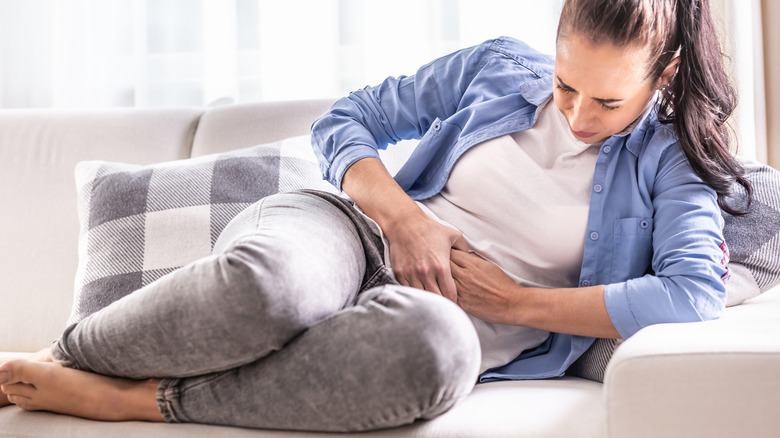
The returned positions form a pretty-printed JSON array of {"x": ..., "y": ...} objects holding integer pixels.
[{"x": 521, "y": 201}]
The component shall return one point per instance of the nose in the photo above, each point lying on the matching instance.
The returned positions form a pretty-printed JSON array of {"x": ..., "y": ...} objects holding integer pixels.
[{"x": 578, "y": 115}]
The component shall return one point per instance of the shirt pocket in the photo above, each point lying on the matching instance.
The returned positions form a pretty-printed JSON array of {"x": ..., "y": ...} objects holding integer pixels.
[{"x": 632, "y": 249}]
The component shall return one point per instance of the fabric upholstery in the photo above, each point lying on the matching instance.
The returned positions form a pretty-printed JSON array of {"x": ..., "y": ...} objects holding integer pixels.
[
  {"x": 39, "y": 232},
  {"x": 565, "y": 407},
  {"x": 716, "y": 378},
  {"x": 232, "y": 127},
  {"x": 754, "y": 239}
]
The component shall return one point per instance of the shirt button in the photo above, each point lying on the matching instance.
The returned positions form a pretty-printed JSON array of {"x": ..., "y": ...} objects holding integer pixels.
[
  {"x": 644, "y": 224},
  {"x": 594, "y": 236},
  {"x": 585, "y": 283},
  {"x": 597, "y": 188},
  {"x": 606, "y": 149}
]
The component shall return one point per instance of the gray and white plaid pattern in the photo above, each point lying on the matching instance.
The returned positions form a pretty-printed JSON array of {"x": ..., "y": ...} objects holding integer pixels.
[
  {"x": 754, "y": 239},
  {"x": 139, "y": 223}
]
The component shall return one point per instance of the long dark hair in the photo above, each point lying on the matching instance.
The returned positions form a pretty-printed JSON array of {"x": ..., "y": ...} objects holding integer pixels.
[{"x": 700, "y": 97}]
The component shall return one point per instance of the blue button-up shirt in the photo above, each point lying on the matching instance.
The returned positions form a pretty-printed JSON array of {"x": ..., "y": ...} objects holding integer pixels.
[{"x": 654, "y": 227}]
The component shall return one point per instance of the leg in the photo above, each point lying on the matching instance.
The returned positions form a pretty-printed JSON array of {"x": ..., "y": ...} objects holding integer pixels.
[
  {"x": 400, "y": 354},
  {"x": 234, "y": 307}
]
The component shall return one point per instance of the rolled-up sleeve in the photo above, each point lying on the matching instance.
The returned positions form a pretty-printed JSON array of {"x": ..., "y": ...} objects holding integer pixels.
[
  {"x": 360, "y": 124},
  {"x": 688, "y": 262}
]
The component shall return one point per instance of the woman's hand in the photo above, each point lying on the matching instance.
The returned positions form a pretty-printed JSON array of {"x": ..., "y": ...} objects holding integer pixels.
[
  {"x": 484, "y": 290},
  {"x": 419, "y": 246},
  {"x": 420, "y": 254}
]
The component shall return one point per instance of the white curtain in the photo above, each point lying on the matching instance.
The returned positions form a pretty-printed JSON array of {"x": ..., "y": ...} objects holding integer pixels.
[
  {"x": 98, "y": 53},
  {"x": 147, "y": 53},
  {"x": 743, "y": 42}
]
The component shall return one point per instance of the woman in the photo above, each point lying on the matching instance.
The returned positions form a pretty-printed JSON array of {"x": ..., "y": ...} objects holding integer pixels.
[{"x": 499, "y": 210}]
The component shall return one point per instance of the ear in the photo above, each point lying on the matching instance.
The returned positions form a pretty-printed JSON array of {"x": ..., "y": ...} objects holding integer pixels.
[{"x": 668, "y": 74}]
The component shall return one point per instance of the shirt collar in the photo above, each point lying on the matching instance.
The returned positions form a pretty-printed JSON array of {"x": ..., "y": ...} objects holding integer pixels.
[
  {"x": 635, "y": 133},
  {"x": 537, "y": 91}
]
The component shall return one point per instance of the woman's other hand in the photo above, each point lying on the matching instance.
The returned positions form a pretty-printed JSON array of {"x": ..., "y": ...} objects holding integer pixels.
[{"x": 483, "y": 289}]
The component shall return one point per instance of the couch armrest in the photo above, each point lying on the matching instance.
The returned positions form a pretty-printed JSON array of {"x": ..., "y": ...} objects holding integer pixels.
[{"x": 716, "y": 379}]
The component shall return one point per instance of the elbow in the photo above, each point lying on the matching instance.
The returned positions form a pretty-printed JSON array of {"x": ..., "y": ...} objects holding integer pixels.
[
  {"x": 695, "y": 299},
  {"x": 651, "y": 300}
]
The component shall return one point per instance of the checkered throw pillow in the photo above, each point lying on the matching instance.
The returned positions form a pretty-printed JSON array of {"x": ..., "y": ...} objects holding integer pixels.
[
  {"x": 754, "y": 239},
  {"x": 139, "y": 223}
]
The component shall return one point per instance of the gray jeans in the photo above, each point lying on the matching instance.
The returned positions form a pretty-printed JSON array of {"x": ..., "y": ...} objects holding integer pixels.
[{"x": 283, "y": 327}]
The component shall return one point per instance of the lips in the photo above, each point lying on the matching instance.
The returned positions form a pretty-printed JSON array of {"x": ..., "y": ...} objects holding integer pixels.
[{"x": 584, "y": 134}]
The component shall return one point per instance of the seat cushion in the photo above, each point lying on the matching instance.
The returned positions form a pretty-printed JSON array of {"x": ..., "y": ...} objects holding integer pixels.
[{"x": 566, "y": 407}]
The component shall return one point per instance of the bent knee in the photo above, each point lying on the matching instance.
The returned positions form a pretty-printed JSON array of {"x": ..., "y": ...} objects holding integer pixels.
[{"x": 440, "y": 345}]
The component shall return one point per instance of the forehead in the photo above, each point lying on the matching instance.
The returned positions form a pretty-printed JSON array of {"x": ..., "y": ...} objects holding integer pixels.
[{"x": 600, "y": 70}]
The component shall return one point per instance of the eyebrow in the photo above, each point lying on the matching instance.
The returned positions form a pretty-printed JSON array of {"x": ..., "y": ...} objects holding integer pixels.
[{"x": 597, "y": 99}]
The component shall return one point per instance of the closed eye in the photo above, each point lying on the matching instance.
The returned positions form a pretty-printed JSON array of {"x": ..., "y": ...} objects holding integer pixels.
[
  {"x": 564, "y": 89},
  {"x": 606, "y": 104}
]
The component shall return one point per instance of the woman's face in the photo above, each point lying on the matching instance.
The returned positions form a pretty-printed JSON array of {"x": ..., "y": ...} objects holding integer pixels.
[{"x": 600, "y": 89}]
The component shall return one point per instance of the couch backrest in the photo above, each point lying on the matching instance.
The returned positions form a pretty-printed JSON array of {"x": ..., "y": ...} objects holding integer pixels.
[{"x": 38, "y": 217}]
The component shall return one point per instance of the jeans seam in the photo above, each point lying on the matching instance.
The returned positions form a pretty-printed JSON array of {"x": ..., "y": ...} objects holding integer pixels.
[{"x": 167, "y": 396}]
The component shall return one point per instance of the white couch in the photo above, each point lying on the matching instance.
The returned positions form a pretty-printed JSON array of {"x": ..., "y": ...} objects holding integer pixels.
[{"x": 712, "y": 379}]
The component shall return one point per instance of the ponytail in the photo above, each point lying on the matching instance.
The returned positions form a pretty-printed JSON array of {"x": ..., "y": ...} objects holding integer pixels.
[
  {"x": 698, "y": 102},
  {"x": 700, "y": 97}
]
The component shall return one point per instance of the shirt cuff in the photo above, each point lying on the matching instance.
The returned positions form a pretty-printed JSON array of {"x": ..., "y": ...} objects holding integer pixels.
[
  {"x": 347, "y": 159},
  {"x": 619, "y": 309}
]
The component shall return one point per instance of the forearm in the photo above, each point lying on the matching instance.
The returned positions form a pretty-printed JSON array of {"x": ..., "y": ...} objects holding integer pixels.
[
  {"x": 485, "y": 291},
  {"x": 577, "y": 311},
  {"x": 372, "y": 188}
]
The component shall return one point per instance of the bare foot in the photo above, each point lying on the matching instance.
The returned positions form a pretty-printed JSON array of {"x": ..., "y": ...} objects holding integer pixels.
[
  {"x": 45, "y": 386},
  {"x": 40, "y": 356}
]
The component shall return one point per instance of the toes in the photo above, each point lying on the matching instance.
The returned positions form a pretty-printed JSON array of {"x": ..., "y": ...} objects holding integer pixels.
[
  {"x": 18, "y": 389},
  {"x": 25, "y": 403},
  {"x": 13, "y": 371}
]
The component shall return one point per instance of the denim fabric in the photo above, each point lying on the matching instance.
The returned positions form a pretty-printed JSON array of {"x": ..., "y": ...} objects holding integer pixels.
[{"x": 292, "y": 323}]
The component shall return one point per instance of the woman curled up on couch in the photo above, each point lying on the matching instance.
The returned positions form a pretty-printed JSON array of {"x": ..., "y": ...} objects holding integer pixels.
[{"x": 550, "y": 201}]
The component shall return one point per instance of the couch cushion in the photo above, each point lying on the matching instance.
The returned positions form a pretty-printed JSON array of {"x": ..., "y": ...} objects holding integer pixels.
[
  {"x": 39, "y": 232},
  {"x": 231, "y": 127},
  {"x": 566, "y": 407},
  {"x": 139, "y": 223}
]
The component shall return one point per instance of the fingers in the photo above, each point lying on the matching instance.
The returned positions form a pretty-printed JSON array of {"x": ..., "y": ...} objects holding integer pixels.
[
  {"x": 448, "y": 288},
  {"x": 460, "y": 243},
  {"x": 438, "y": 281}
]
